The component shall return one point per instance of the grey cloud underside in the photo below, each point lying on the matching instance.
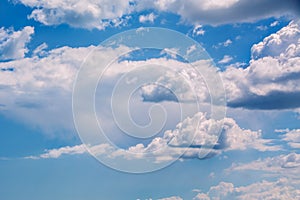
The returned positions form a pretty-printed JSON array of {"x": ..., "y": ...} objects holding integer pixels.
[
  {"x": 206, "y": 12},
  {"x": 274, "y": 100}
]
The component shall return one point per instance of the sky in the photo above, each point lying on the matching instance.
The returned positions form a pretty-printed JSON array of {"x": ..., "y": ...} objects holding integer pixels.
[{"x": 140, "y": 99}]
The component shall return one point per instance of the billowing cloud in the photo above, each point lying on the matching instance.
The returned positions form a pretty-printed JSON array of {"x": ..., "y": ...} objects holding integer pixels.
[
  {"x": 222, "y": 12},
  {"x": 271, "y": 81},
  {"x": 100, "y": 14},
  {"x": 282, "y": 188},
  {"x": 87, "y": 14},
  {"x": 186, "y": 139},
  {"x": 13, "y": 43}
]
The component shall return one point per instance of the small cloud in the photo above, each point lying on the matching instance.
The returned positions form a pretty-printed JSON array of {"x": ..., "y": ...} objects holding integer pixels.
[
  {"x": 262, "y": 28},
  {"x": 227, "y": 43},
  {"x": 198, "y": 30},
  {"x": 224, "y": 44},
  {"x": 275, "y": 23},
  {"x": 147, "y": 18},
  {"x": 226, "y": 59}
]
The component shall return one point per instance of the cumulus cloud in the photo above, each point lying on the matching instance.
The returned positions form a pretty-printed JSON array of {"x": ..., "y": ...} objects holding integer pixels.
[
  {"x": 186, "y": 139},
  {"x": 100, "y": 14},
  {"x": 13, "y": 43},
  {"x": 271, "y": 81},
  {"x": 38, "y": 90},
  {"x": 282, "y": 188},
  {"x": 87, "y": 14},
  {"x": 285, "y": 42}
]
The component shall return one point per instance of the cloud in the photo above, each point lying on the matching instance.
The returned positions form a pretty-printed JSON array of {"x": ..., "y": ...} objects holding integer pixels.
[
  {"x": 198, "y": 30},
  {"x": 226, "y": 59},
  {"x": 13, "y": 43},
  {"x": 172, "y": 198},
  {"x": 147, "y": 18},
  {"x": 100, "y": 14},
  {"x": 293, "y": 138},
  {"x": 222, "y": 12},
  {"x": 271, "y": 81},
  {"x": 38, "y": 90},
  {"x": 285, "y": 42},
  {"x": 282, "y": 188},
  {"x": 82, "y": 14},
  {"x": 56, "y": 153},
  {"x": 186, "y": 139},
  {"x": 286, "y": 165}
]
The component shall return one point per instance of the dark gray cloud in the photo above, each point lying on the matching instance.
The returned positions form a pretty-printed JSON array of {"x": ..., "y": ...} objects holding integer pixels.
[{"x": 271, "y": 101}]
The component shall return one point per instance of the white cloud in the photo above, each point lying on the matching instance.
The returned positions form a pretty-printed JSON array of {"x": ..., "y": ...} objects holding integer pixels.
[
  {"x": 147, "y": 18},
  {"x": 100, "y": 14},
  {"x": 13, "y": 43},
  {"x": 40, "y": 50},
  {"x": 275, "y": 23},
  {"x": 176, "y": 142},
  {"x": 286, "y": 165},
  {"x": 222, "y": 12},
  {"x": 293, "y": 138},
  {"x": 87, "y": 14},
  {"x": 284, "y": 43},
  {"x": 272, "y": 80},
  {"x": 226, "y": 59},
  {"x": 38, "y": 90},
  {"x": 198, "y": 30},
  {"x": 56, "y": 153},
  {"x": 282, "y": 188},
  {"x": 223, "y": 44},
  {"x": 227, "y": 43},
  {"x": 172, "y": 198}
]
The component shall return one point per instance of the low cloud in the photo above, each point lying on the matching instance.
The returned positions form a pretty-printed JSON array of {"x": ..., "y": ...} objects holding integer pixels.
[{"x": 282, "y": 188}]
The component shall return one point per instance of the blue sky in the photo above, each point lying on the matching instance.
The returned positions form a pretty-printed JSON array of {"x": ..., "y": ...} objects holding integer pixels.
[{"x": 65, "y": 130}]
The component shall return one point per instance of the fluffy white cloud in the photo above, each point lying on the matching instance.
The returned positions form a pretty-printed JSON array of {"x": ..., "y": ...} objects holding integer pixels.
[
  {"x": 186, "y": 139},
  {"x": 293, "y": 138},
  {"x": 285, "y": 43},
  {"x": 87, "y": 14},
  {"x": 38, "y": 90},
  {"x": 220, "y": 12},
  {"x": 13, "y": 43},
  {"x": 265, "y": 190},
  {"x": 271, "y": 81},
  {"x": 99, "y": 14},
  {"x": 147, "y": 18}
]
